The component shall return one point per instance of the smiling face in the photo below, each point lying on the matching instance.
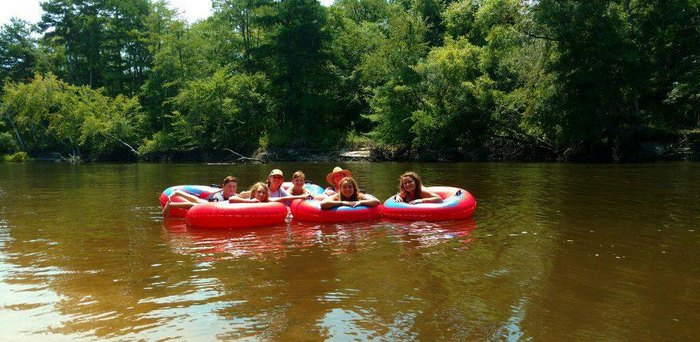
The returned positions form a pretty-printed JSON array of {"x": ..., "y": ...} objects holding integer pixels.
[
  {"x": 347, "y": 189},
  {"x": 408, "y": 184}
]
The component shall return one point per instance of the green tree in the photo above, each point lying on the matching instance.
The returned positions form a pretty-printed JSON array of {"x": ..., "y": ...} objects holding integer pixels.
[
  {"x": 515, "y": 58},
  {"x": 359, "y": 11},
  {"x": 223, "y": 112},
  {"x": 351, "y": 42},
  {"x": 456, "y": 99},
  {"x": 113, "y": 128},
  {"x": 76, "y": 26},
  {"x": 459, "y": 21},
  {"x": 602, "y": 74},
  {"x": 667, "y": 34},
  {"x": 49, "y": 115},
  {"x": 20, "y": 56},
  {"x": 388, "y": 71},
  {"x": 124, "y": 51},
  {"x": 432, "y": 12},
  {"x": 297, "y": 61},
  {"x": 165, "y": 78},
  {"x": 181, "y": 54},
  {"x": 103, "y": 41},
  {"x": 241, "y": 19}
]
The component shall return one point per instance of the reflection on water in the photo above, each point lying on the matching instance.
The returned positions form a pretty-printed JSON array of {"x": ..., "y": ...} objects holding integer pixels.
[
  {"x": 290, "y": 239},
  {"x": 554, "y": 252}
]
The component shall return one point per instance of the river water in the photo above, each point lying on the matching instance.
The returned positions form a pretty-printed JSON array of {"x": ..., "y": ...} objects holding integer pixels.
[{"x": 553, "y": 252}]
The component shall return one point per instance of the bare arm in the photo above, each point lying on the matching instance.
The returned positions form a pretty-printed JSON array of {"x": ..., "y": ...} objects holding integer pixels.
[
  {"x": 289, "y": 198},
  {"x": 186, "y": 196},
  {"x": 333, "y": 201},
  {"x": 240, "y": 199},
  {"x": 368, "y": 201},
  {"x": 244, "y": 194},
  {"x": 427, "y": 197},
  {"x": 190, "y": 200}
]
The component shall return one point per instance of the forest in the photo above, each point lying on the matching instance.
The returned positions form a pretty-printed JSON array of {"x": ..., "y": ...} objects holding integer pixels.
[{"x": 559, "y": 80}]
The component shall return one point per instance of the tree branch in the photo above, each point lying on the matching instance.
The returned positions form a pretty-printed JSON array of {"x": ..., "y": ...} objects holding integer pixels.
[
  {"x": 242, "y": 157},
  {"x": 123, "y": 143}
]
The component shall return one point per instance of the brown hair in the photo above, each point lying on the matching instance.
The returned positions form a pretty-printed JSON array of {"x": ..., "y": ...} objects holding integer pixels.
[
  {"x": 229, "y": 179},
  {"x": 257, "y": 186},
  {"x": 416, "y": 179},
  {"x": 298, "y": 174},
  {"x": 352, "y": 181}
]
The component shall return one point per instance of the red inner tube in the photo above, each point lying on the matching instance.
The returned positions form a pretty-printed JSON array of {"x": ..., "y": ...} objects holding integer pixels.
[
  {"x": 217, "y": 215},
  {"x": 310, "y": 211},
  {"x": 201, "y": 191},
  {"x": 457, "y": 204}
]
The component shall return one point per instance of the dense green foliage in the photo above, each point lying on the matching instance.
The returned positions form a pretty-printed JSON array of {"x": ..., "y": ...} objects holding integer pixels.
[
  {"x": 48, "y": 114},
  {"x": 19, "y": 157},
  {"x": 471, "y": 79}
]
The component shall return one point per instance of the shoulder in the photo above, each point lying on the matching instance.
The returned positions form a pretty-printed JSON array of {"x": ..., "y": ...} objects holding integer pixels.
[
  {"x": 279, "y": 193},
  {"x": 216, "y": 197},
  {"x": 427, "y": 193},
  {"x": 303, "y": 191}
]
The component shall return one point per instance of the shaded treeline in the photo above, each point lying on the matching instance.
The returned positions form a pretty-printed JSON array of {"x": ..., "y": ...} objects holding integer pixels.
[{"x": 472, "y": 79}]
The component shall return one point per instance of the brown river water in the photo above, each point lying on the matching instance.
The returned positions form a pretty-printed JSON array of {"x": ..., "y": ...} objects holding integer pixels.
[{"x": 554, "y": 252}]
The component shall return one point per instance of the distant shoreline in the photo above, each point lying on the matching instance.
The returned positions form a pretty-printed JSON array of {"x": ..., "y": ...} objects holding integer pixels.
[{"x": 640, "y": 153}]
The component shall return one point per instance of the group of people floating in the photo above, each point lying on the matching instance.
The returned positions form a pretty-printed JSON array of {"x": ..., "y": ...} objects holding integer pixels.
[{"x": 343, "y": 192}]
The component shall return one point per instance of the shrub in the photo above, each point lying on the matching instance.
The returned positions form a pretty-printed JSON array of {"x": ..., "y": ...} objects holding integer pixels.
[{"x": 19, "y": 157}]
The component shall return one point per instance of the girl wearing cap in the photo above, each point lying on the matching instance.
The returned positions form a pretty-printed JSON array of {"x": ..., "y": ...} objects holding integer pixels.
[
  {"x": 228, "y": 190},
  {"x": 348, "y": 195},
  {"x": 411, "y": 190},
  {"x": 274, "y": 182}
]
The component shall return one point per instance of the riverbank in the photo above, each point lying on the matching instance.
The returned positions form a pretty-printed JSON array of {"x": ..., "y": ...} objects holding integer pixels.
[
  {"x": 661, "y": 147},
  {"x": 667, "y": 147}
]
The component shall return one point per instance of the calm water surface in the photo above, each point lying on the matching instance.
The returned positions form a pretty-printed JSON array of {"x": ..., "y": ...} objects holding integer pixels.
[{"x": 554, "y": 252}]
